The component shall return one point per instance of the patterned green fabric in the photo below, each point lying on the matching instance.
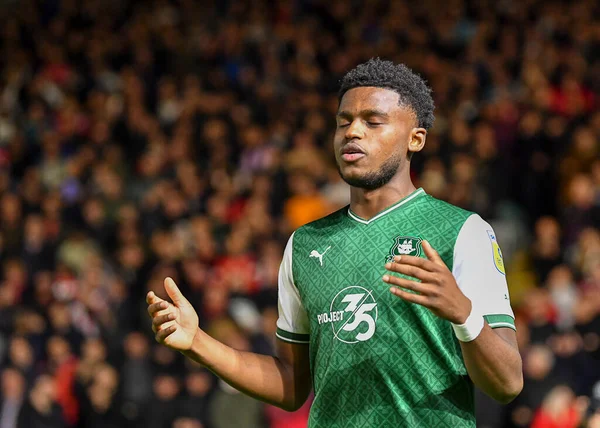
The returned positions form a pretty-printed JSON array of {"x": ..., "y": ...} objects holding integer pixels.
[{"x": 376, "y": 360}]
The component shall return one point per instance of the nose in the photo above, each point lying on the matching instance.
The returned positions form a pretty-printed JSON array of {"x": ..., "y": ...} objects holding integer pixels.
[{"x": 354, "y": 130}]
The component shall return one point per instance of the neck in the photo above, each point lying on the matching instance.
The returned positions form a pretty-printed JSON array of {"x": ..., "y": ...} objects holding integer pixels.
[{"x": 368, "y": 203}]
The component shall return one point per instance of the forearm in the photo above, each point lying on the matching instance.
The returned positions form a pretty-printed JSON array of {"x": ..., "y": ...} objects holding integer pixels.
[
  {"x": 494, "y": 365},
  {"x": 266, "y": 378}
]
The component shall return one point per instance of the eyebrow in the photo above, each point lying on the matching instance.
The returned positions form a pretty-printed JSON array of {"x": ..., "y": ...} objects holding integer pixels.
[{"x": 364, "y": 113}]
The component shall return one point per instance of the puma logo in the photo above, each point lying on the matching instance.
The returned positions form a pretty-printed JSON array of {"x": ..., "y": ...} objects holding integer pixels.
[{"x": 315, "y": 254}]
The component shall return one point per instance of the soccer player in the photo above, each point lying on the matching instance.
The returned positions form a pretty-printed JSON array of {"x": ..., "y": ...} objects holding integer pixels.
[{"x": 391, "y": 308}]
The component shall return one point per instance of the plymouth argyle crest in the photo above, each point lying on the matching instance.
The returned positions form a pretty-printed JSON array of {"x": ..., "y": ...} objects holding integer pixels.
[{"x": 405, "y": 245}]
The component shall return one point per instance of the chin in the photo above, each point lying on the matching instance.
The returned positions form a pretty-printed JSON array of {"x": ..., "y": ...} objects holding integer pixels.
[
  {"x": 368, "y": 179},
  {"x": 356, "y": 178}
]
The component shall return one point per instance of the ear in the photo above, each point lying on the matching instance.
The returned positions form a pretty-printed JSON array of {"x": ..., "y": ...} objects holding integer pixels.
[{"x": 417, "y": 140}]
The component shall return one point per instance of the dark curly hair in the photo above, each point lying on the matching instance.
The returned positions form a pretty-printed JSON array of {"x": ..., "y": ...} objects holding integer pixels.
[{"x": 414, "y": 92}]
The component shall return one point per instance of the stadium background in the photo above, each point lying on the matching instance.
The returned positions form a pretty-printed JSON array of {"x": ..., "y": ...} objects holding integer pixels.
[{"x": 140, "y": 139}]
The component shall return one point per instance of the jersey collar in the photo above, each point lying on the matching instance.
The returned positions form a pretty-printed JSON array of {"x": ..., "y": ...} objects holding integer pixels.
[{"x": 398, "y": 204}]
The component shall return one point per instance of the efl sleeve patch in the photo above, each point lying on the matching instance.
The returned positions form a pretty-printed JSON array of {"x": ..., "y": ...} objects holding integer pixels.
[{"x": 497, "y": 253}]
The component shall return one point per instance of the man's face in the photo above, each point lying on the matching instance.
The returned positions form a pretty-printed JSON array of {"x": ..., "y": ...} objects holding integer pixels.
[{"x": 372, "y": 136}]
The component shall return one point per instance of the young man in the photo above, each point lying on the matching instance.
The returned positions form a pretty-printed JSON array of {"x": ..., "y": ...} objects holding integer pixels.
[{"x": 391, "y": 308}]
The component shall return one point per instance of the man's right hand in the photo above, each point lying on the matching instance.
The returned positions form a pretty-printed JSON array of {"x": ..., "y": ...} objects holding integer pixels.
[
  {"x": 283, "y": 380},
  {"x": 174, "y": 324}
]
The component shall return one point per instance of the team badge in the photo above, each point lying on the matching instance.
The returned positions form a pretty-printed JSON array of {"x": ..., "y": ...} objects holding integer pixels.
[
  {"x": 405, "y": 246},
  {"x": 497, "y": 254}
]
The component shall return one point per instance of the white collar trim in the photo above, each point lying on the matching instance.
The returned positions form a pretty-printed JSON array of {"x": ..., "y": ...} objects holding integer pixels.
[{"x": 410, "y": 197}]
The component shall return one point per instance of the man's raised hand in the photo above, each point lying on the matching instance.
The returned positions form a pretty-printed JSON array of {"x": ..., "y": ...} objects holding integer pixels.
[
  {"x": 435, "y": 286},
  {"x": 174, "y": 324}
]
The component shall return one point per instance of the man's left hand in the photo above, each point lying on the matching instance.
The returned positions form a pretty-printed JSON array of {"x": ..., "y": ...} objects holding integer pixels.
[{"x": 437, "y": 289}]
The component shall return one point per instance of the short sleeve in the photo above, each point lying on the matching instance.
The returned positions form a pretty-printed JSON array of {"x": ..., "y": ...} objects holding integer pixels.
[
  {"x": 479, "y": 271},
  {"x": 292, "y": 325}
]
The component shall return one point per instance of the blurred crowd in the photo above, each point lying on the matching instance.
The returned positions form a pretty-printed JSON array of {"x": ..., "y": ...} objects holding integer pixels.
[{"x": 182, "y": 138}]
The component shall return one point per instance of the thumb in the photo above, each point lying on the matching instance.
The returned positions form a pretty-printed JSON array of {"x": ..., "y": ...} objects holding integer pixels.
[{"x": 174, "y": 293}]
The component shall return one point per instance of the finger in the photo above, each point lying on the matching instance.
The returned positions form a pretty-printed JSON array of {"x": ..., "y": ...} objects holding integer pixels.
[
  {"x": 417, "y": 261},
  {"x": 419, "y": 287},
  {"x": 151, "y": 297},
  {"x": 159, "y": 314},
  {"x": 410, "y": 297},
  {"x": 432, "y": 254},
  {"x": 158, "y": 306},
  {"x": 174, "y": 292},
  {"x": 414, "y": 271},
  {"x": 158, "y": 321},
  {"x": 165, "y": 332}
]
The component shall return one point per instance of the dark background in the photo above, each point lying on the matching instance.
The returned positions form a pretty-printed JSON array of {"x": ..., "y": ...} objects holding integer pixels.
[{"x": 144, "y": 139}]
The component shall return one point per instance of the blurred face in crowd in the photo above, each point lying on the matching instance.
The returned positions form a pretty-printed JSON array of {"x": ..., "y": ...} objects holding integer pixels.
[
  {"x": 558, "y": 400},
  {"x": 13, "y": 384},
  {"x": 20, "y": 352},
  {"x": 374, "y": 136},
  {"x": 10, "y": 208},
  {"x": 44, "y": 387},
  {"x": 187, "y": 423},
  {"x": 14, "y": 272},
  {"x": 34, "y": 229},
  {"x": 136, "y": 345},
  {"x": 93, "y": 350},
  {"x": 581, "y": 192},
  {"x": 107, "y": 377},
  {"x": 166, "y": 387},
  {"x": 93, "y": 212},
  {"x": 198, "y": 383},
  {"x": 539, "y": 362},
  {"x": 58, "y": 349},
  {"x": 60, "y": 317}
]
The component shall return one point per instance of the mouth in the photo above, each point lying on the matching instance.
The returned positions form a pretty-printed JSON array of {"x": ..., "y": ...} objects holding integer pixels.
[{"x": 352, "y": 152}]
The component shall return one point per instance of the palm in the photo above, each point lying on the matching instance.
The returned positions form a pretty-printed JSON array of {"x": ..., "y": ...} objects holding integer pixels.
[
  {"x": 174, "y": 324},
  {"x": 186, "y": 323}
]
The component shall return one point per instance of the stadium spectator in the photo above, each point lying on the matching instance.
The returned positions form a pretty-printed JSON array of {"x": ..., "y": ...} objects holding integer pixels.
[
  {"x": 140, "y": 140},
  {"x": 13, "y": 395}
]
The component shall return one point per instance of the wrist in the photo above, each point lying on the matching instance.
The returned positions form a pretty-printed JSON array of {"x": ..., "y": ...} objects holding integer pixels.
[
  {"x": 461, "y": 318},
  {"x": 470, "y": 329},
  {"x": 195, "y": 350}
]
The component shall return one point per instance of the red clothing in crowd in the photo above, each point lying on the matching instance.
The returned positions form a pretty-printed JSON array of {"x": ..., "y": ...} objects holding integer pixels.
[
  {"x": 65, "y": 396},
  {"x": 567, "y": 419}
]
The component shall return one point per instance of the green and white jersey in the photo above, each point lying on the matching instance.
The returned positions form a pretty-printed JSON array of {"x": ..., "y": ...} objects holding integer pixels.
[{"x": 376, "y": 360}]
